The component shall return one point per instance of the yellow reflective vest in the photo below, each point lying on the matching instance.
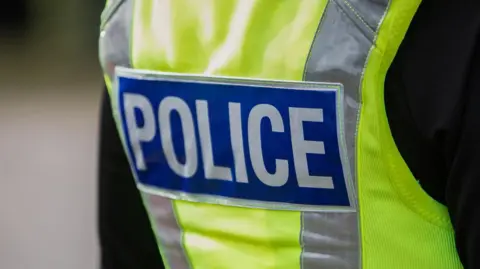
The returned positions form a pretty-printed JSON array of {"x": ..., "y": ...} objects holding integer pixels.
[{"x": 368, "y": 213}]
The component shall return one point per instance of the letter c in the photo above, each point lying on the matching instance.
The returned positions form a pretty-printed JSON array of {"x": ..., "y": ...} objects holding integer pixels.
[{"x": 257, "y": 114}]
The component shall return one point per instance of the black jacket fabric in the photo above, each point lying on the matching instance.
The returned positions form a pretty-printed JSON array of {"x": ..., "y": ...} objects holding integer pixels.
[{"x": 432, "y": 95}]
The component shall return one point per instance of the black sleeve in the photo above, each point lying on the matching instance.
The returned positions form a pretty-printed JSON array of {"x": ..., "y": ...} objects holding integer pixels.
[
  {"x": 463, "y": 184},
  {"x": 126, "y": 238},
  {"x": 432, "y": 97}
]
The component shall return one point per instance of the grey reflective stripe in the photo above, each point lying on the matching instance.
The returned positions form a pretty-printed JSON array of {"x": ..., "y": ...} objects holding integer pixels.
[
  {"x": 167, "y": 229},
  {"x": 369, "y": 12},
  {"x": 114, "y": 43},
  {"x": 330, "y": 240},
  {"x": 339, "y": 54}
]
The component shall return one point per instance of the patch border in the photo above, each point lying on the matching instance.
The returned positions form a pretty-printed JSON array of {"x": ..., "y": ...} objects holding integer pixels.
[{"x": 223, "y": 80}]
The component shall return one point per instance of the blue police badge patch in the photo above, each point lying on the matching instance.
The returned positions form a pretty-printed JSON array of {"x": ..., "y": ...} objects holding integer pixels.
[{"x": 243, "y": 142}]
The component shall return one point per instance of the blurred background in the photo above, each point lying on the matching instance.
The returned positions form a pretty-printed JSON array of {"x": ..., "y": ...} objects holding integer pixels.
[{"x": 50, "y": 87}]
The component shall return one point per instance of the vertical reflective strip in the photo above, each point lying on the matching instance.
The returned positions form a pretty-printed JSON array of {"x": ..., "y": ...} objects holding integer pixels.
[
  {"x": 162, "y": 216},
  {"x": 114, "y": 46},
  {"x": 339, "y": 54},
  {"x": 114, "y": 43},
  {"x": 330, "y": 241},
  {"x": 368, "y": 12}
]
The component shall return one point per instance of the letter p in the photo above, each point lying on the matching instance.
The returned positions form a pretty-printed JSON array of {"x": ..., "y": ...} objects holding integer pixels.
[{"x": 136, "y": 133}]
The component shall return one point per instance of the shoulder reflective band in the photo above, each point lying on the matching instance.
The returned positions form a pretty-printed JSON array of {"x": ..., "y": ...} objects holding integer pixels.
[{"x": 241, "y": 142}]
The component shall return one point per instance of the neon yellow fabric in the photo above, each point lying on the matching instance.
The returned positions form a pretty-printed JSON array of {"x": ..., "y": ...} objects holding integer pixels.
[
  {"x": 218, "y": 37},
  {"x": 401, "y": 226},
  {"x": 207, "y": 38}
]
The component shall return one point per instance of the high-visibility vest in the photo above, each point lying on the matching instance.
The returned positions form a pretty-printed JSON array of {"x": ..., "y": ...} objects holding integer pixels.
[{"x": 257, "y": 134}]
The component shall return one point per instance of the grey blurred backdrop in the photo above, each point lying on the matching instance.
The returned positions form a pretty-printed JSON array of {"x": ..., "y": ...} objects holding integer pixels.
[{"x": 50, "y": 87}]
